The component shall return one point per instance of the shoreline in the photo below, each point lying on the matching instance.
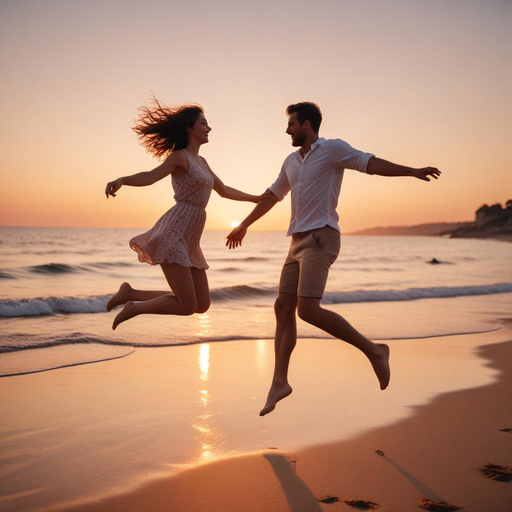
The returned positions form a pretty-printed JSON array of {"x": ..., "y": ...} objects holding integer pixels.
[
  {"x": 186, "y": 418},
  {"x": 434, "y": 454}
]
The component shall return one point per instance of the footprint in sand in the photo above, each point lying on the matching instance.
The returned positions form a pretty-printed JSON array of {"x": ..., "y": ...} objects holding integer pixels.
[
  {"x": 437, "y": 506},
  {"x": 497, "y": 472},
  {"x": 358, "y": 504},
  {"x": 362, "y": 504},
  {"x": 328, "y": 499}
]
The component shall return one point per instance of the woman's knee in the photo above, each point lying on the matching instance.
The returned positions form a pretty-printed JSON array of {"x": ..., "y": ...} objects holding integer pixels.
[
  {"x": 188, "y": 307},
  {"x": 203, "y": 306}
]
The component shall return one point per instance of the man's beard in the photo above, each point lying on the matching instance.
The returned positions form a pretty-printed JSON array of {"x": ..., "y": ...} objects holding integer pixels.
[{"x": 298, "y": 140}]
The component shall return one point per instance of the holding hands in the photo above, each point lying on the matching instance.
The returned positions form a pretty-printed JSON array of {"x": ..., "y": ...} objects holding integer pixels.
[{"x": 234, "y": 239}]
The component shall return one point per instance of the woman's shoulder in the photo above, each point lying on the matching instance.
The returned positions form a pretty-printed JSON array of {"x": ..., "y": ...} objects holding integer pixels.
[
  {"x": 178, "y": 163},
  {"x": 178, "y": 158}
]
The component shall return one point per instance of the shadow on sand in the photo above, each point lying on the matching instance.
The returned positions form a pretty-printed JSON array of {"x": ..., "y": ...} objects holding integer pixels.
[{"x": 298, "y": 495}]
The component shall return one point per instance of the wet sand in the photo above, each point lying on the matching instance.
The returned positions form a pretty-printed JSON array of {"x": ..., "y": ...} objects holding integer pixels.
[{"x": 432, "y": 430}]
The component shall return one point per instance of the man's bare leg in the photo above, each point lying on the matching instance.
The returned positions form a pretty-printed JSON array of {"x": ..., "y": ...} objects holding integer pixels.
[
  {"x": 309, "y": 310},
  {"x": 127, "y": 293},
  {"x": 285, "y": 341}
]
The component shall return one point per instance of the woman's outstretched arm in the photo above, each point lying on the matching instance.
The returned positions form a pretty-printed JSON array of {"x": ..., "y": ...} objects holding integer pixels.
[
  {"x": 230, "y": 192},
  {"x": 175, "y": 164}
]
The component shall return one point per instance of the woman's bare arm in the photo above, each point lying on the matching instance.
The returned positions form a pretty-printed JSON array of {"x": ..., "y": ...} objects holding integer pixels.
[
  {"x": 175, "y": 164},
  {"x": 230, "y": 192}
]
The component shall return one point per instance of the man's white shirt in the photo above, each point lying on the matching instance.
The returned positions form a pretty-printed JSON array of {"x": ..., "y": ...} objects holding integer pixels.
[{"x": 315, "y": 182}]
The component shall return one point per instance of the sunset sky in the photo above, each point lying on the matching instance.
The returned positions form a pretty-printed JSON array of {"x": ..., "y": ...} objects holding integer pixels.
[{"x": 418, "y": 82}]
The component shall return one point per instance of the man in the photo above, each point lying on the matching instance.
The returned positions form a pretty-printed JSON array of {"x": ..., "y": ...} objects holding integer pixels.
[{"x": 314, "y": 174}]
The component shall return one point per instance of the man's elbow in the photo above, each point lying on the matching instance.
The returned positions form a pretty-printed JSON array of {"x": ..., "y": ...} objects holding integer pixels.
[
  {"x": 371, "y": 166},
  {"x": 272, "y": 197}
]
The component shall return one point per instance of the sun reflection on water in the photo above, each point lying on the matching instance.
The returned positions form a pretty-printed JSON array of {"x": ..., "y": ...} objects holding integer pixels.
[
  {"x": 204, "y": 362},
  {"x": 204, "y": 328},
  {"x": 208, "y": 436},
  {"x": 261, "y": 355}
]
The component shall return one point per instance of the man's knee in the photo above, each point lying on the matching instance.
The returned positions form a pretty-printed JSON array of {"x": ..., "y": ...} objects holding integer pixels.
[
  {"x": 308, "y": 309},
  {"x": 285, "y": 305}
]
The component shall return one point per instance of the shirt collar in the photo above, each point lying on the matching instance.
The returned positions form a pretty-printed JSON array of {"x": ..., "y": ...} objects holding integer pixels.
[{"x": 318, "y": 142}]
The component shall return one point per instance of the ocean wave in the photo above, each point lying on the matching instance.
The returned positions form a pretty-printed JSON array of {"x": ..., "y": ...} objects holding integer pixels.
[
  {"x": 16, "y": 343},
  {"x": 435, "y": 292},
  {"x": 110, "y": 264},
  {"x": 249, "y": 258},
  {"x": 241, "y": 291},
  {"x": 51, "y": 305},
  {"x": 96, "y": 303},
  {"x": 55, "y": 268},
  {"x": 23, "y": 341}
]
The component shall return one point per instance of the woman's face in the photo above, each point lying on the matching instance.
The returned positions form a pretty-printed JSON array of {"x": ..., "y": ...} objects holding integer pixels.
[{"x": 200, "y": 130}]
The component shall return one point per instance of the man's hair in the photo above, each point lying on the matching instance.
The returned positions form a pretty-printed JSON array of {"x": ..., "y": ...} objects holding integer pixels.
[{"x": 307, "y": 111}]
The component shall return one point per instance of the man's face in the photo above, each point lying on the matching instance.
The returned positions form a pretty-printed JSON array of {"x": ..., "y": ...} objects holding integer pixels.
[{"x": 296, "y": 130}]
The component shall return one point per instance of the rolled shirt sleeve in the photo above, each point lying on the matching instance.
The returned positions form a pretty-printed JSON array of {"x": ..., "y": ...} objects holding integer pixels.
[
  {"x": 347, "y": 157},
  {"x": 281, "y": 186}
]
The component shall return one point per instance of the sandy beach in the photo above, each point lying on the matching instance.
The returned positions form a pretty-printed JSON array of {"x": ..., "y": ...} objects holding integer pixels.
[{"x": 177, "y": 428}]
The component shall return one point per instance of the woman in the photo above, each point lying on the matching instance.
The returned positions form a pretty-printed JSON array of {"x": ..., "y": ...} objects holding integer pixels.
[{"x": 173, "y": 242}]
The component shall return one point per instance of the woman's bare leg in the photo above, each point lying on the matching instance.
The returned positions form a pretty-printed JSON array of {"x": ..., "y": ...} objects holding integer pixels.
[
  {"x": 202, "y": 289},
  {"x": 183, "y": 302},
  {"x": 126, "y": 293}
]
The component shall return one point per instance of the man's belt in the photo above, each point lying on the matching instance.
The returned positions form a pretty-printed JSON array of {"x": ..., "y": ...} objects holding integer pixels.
[{"x": 302, "y": 234}]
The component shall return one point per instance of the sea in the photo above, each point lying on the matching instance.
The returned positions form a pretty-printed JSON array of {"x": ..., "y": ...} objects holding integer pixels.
[{"x": 56, "y": 282}]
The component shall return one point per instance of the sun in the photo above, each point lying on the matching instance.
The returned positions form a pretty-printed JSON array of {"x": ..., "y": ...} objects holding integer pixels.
[{"x": 235, "y": 223}]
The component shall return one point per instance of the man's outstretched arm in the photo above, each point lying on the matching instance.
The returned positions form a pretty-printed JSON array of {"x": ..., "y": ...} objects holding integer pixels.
[
  {"x": 384, "y": 168},
  {"x": 234, "y": 239}
]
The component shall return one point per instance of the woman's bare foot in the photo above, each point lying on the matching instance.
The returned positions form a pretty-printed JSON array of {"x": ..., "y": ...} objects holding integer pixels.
[
  {"x": 129, "y": 311},
  {"x": 380, "y": 363},
  {"x": 121, "y": 297},
  {"x": 277, "y": 392}
]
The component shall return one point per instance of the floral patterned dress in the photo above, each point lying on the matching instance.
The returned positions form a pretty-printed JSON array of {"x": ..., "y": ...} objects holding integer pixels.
[{"x": 176, "y": 235}]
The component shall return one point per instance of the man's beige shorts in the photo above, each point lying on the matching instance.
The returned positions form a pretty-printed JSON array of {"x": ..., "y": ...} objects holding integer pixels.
[{"x": 306, "y": 267}]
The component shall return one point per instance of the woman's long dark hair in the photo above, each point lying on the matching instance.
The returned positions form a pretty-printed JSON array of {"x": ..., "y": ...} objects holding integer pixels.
[{"x": 162, "y": 129}]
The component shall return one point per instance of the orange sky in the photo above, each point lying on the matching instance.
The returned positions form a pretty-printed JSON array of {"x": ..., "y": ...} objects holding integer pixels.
[{"x": 419, "y": 83}]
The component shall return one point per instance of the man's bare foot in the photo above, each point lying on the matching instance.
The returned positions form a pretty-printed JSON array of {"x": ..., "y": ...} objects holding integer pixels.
[
  {"x": 121, "y": 297},
  {"x": 277, "y": 392},
  {"x": 380, "y": 363},
  {"x": 129, "y": 311}
]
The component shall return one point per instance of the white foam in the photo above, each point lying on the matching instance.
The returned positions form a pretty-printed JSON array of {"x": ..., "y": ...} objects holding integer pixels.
[
  {"x": 436, "y": 292},
  {"x": 51, "y": 305}
]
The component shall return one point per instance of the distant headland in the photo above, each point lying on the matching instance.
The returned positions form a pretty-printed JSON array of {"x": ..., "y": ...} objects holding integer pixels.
[{"x": 493, "y": 221}]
